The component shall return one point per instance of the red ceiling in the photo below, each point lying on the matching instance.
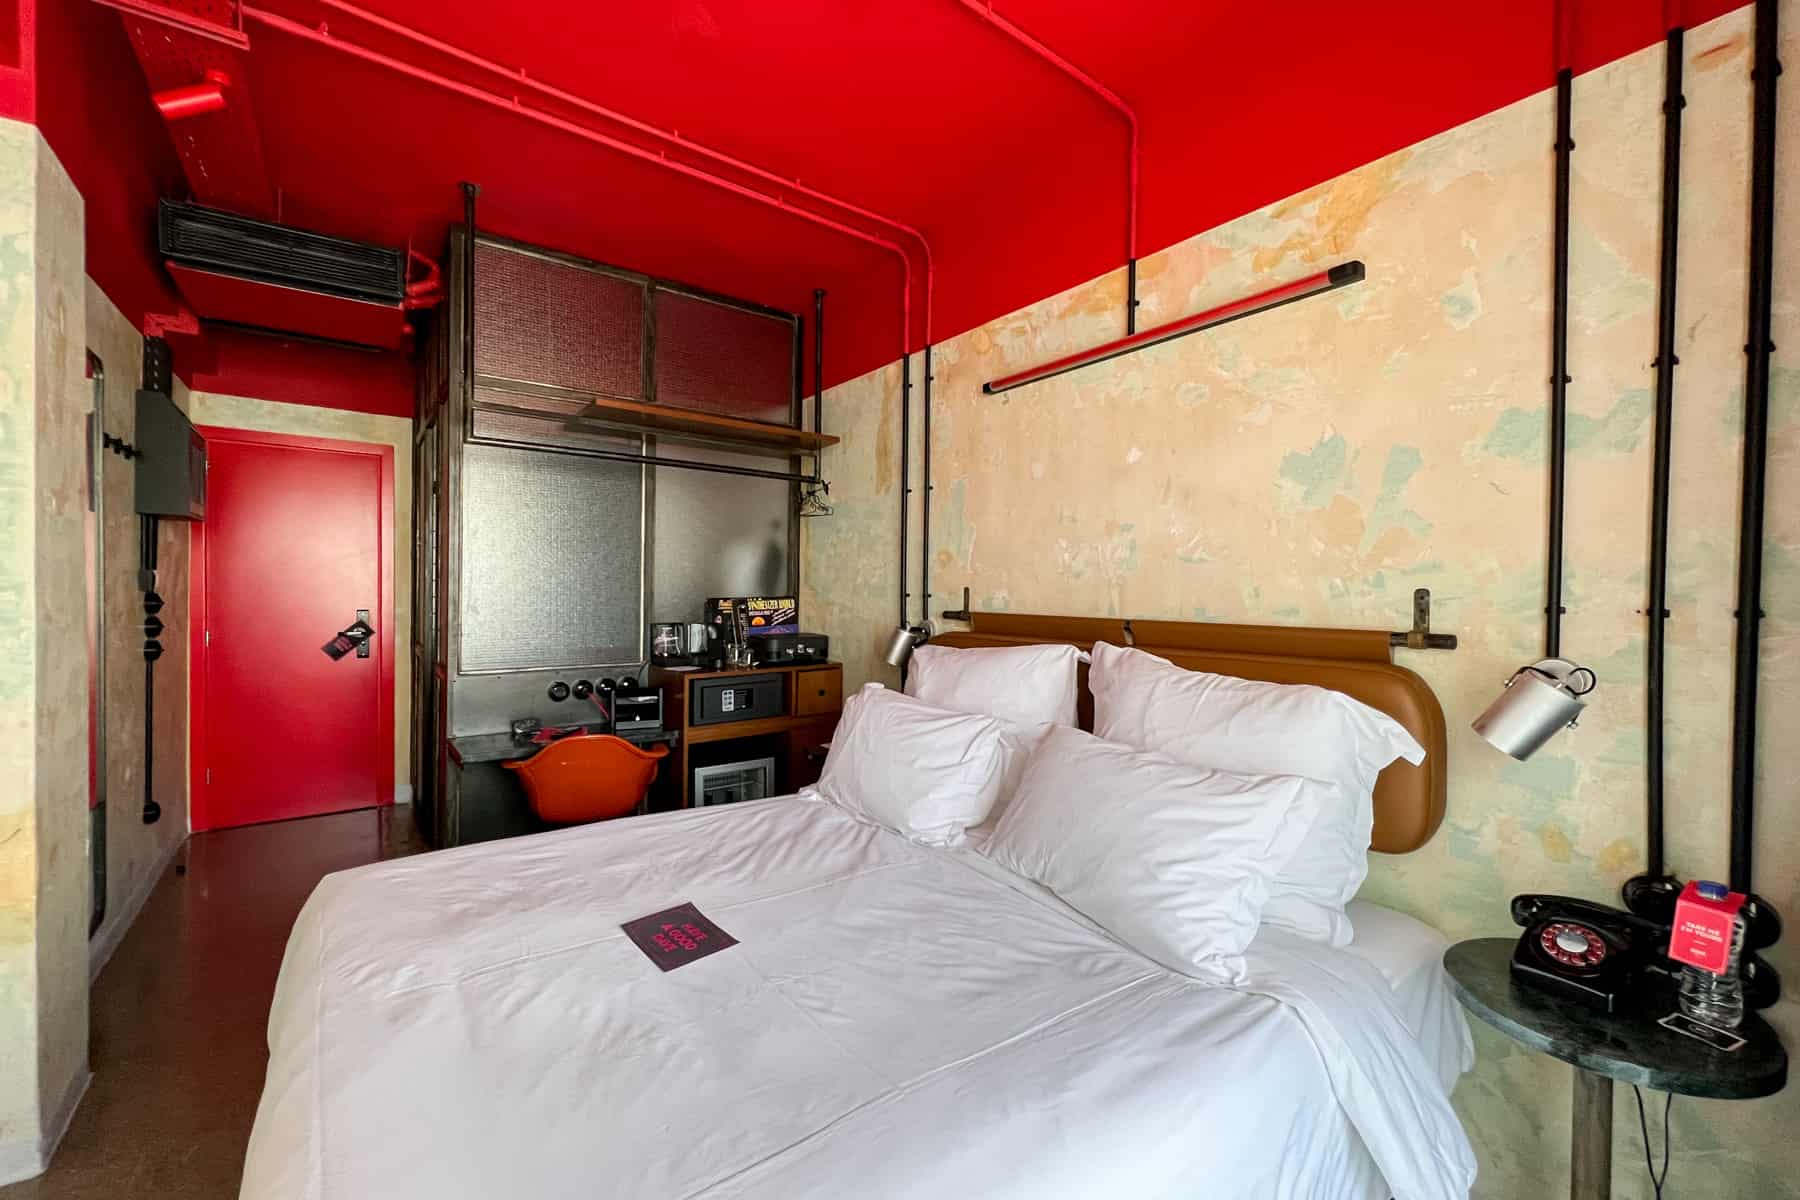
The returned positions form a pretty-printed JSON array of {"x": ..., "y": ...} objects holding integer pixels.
[{"x": 917, "y": 109}]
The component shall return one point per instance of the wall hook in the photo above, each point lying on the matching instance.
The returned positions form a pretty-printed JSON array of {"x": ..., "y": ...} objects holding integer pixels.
[
  {"x": 959, "y": 614},
  {"x": 1420, "y": 637}
]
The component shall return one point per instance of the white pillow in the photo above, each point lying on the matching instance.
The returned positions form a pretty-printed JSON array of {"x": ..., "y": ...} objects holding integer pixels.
[
  {"x": 1025, "y": 686},
  {"x": 1259, "y": 728},
  {"x": 1171, "y": 859},
  {"x": 922, "y": 771}
]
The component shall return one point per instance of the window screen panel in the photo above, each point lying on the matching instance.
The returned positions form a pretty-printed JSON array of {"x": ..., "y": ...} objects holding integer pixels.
[
  {"x": 718, "y": 535},
  {"x": 552, "y": 560},
  {"x": 723, "y": 359},
  {"x": 542, "y": 321}
]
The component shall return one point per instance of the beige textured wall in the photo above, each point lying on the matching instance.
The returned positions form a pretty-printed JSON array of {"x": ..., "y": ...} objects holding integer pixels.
[
  {"x": 1313, "y": 465},
  {"x": 43, "y": 703},
  {"x": 267, "y": 416},
  {"x": 136, "y": 853}
]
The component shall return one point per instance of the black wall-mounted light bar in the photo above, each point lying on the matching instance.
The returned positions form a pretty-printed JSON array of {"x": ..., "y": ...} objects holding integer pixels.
[{"x": 1339, "y": 276}]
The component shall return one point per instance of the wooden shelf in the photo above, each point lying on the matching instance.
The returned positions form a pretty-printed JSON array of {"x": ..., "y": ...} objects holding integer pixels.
[{"x": 690, "y": 423}]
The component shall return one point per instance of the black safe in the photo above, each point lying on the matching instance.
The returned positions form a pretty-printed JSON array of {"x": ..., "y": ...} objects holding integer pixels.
[{"x": 737, "y": 698}]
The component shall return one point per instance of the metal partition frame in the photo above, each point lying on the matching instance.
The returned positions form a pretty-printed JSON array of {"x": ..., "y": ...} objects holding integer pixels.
[{"x": 487, "y": 698}]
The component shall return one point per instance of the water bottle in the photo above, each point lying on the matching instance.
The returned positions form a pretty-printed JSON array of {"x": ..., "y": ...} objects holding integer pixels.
[{"x": 1716, "y": 1000}]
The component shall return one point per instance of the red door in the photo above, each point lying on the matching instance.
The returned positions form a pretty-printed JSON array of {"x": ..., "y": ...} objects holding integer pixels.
[{"x": 297, "y": 537}]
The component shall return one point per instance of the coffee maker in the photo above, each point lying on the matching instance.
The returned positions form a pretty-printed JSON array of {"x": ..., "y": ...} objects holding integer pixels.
[{"x": 683, "y": 644}]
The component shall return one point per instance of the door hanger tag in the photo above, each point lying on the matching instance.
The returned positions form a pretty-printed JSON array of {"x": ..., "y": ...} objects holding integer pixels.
[{"x": 347, "y": 640}]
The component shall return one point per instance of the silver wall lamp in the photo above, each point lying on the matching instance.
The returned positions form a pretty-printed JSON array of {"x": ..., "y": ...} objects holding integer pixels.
[
  {"x": 904, "y": 640},
  {"x": 1540, "y": 699}
]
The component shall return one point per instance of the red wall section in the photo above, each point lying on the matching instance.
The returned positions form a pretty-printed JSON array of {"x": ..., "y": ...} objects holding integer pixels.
[
  {"x": 95, "y": 112},
  {"x": 17, "y": 49},
  {"x": 1284, "y": 98},
  {"x": 94, "y": 109},
  {"x": 1285, "y": 113},
  {"x": 295, "y": 372},
  {"x": 1015, "y": 174}
]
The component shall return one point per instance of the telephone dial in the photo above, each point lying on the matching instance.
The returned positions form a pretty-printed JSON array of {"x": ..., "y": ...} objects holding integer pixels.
[{"x": 1581, "y": 950}]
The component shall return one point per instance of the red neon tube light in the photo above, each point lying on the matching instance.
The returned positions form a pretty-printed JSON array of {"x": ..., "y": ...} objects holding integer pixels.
[{"x": 1339, "y": 276}]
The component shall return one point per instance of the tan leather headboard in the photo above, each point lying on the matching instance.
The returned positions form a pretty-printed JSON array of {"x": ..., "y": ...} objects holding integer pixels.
[{"x": 1409, "y": 800}]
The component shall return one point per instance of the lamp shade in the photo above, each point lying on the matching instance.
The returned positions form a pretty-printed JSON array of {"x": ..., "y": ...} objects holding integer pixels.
[
  {"x": 1539, "y": 699},
  {"x": 900, "y": 644}
]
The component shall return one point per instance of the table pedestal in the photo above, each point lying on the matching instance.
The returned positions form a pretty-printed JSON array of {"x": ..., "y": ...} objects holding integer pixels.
[{"x": 1590, "y": 1137}]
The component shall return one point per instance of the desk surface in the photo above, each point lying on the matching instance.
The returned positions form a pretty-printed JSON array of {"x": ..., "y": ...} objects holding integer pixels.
[
  {"x": 500, "y": 747},
  {"x": 1629, "y": 1046}
]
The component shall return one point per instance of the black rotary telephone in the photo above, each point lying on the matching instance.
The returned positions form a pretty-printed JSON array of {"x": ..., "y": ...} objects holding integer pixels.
[{"x": 1584, "y": 951}]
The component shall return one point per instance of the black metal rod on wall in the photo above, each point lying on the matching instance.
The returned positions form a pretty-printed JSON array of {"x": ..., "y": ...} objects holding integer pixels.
[
  {"x": 1758, "y": 350},
  {"x": 1656, "y": 610},
  {"x": 925, "y": 511},
  {"x": 159, "y": 376},
  {"x": 1559, "y": 365},
  {"x": 905, "y": 470},
  {"x": 652, "y": 460},
  {"x": 147, "y": 533},
  {"x": 1131, "y": 300},
  {"x": 818, "y": 360},
  {"x": 96, "y": 504},
  {"x": 469, "y": 191}
]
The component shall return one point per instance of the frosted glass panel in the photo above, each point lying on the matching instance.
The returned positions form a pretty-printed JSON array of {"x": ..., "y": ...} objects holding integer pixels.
[
  {"x": 552, "y": 560},
  {"x": 717, "y": 535}
]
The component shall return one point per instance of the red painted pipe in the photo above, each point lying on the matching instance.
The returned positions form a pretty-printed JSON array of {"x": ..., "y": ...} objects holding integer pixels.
[
  {"x": 194, "y": 99},
  {"x": 1287, "y": 293},
  {"x": 431, "y": 282},
  {"x": 985, "y": 10},
  {"x": 179, "y": 103},
  {"x": 518, "y": 76}
]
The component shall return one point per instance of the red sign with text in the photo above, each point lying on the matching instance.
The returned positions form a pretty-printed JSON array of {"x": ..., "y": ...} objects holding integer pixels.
[
  {"x": 677, "y": 936},
  {"x": 1703, "y": 929}
]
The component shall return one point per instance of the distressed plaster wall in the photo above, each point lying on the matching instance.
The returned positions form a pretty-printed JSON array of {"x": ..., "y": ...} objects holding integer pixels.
[
  {"x": 268, "y": 416},
  {"x": 43, "y": 703},
  {"x": 136, "y": 853},
  {"x": 1313, "y": 465}
]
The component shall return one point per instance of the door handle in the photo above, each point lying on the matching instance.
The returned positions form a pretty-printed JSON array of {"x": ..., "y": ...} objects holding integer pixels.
[{"x": 354, "y": 636}]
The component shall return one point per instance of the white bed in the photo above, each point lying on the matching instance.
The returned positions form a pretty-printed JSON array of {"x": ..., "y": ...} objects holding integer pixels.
[{"x": 897, "y": 1020}]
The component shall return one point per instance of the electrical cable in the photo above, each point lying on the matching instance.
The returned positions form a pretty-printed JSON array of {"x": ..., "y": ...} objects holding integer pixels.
[{"x": 1656, "y": 1180}]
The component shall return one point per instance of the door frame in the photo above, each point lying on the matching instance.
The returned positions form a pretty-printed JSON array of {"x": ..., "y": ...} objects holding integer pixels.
[{"x": 199, "y": 816}]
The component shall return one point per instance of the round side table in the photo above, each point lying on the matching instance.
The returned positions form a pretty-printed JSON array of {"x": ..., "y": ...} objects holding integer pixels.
[{"x": 1628, "y": 1046}]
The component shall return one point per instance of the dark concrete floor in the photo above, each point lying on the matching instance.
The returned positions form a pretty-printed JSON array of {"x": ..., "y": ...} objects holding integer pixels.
[{"x": 178, "y": 1045}]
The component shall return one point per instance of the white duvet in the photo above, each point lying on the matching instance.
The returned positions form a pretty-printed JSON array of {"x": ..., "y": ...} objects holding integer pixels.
[{"x": 896, "y": 1021}]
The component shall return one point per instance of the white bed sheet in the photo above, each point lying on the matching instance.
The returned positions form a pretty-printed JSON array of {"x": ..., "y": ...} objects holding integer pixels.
[
  {"x": 897, "y": 1021},
  {"x": 1410, "y": 956}
]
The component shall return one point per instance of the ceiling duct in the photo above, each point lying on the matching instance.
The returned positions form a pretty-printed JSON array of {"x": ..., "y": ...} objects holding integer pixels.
[{"x": 260, "y": 275}]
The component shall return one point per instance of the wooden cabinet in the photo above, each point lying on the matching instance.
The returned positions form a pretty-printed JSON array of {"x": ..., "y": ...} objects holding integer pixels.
[
  {"x": 812, "y": 700},
  {"x": 819, "y": 691}
]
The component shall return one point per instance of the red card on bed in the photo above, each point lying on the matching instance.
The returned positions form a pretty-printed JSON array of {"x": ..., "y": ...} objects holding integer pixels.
[{"x": 677, "y": 936}]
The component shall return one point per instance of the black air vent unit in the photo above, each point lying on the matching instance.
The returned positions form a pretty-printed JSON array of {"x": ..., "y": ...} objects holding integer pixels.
[
  {"x": 271, "y": 278},
  {"x": 280, "y": 254}
]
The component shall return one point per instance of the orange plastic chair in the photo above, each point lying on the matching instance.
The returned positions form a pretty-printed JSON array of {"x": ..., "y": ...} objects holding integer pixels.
[{"x": 590, "y": 778}]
